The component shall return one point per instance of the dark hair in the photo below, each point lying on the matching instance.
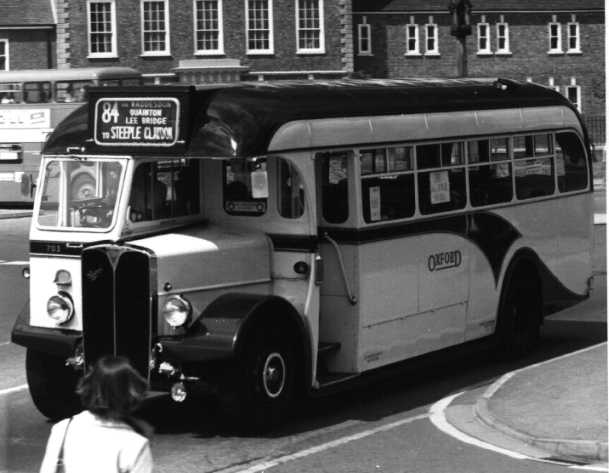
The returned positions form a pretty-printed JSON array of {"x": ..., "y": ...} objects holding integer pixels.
[{"x": 112, "y": 389}]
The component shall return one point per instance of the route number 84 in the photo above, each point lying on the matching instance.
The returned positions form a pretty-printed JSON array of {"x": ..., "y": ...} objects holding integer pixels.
[{"x": 109, "y": 112}]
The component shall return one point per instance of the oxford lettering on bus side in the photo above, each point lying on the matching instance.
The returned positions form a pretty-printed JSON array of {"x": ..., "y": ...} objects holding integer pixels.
[{"x": 444, "y": 260}]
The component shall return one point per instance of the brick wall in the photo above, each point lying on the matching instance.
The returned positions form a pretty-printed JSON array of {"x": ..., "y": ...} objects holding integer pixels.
[
  {"x": 182, "y": 37},
  {"x": 528, "y": 45},
  {"x": 29, "y": 49}
]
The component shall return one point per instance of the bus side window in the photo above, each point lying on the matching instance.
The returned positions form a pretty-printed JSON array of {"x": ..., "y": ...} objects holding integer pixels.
[
  {"x": 571, "y": 165},
  {"x": 10, "y": 93},
  {"x": 291, "y": 197},
  {"x": 37, "y": 92},
  {"x": 334, "y": 185}
]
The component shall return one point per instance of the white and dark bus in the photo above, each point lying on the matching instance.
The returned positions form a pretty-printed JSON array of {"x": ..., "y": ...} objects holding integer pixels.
[{"x": 270, "y": 239}]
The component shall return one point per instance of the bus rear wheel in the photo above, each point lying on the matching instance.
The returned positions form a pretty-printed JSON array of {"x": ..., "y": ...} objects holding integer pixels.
[
  {"x": 52, "y": 385},
  {"x": 520, "y": 316}
]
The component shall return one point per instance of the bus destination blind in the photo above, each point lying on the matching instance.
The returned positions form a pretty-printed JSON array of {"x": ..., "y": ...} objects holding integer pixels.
[{"x": 139, "y": 121}]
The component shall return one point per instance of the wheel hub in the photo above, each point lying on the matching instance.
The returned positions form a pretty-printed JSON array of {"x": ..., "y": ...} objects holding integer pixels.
[{"x": 273, "y": 375}]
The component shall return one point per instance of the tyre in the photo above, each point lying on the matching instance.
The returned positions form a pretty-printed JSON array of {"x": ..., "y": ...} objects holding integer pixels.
[
  {"x": 520, "y": 316},
  {"x": 52, "y": 385},
  {"x": 265, "y": 383}
]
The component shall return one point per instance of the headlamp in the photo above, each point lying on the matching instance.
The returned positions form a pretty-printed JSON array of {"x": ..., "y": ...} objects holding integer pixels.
[
  {"x": 176, "y": 311},
  {"x": 60, "y": 308}
]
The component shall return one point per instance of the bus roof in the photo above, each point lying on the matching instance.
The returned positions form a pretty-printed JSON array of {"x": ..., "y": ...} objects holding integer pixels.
[
  {"x": 241, "y": 119},
  {"x": 83, "y": 73}
]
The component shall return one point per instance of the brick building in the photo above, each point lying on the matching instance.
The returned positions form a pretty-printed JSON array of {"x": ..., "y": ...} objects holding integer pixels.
[
  {"x": 208, "y": 40},
  {"x": 27, "y": 34},
  {"x": 559, "y": 43}
]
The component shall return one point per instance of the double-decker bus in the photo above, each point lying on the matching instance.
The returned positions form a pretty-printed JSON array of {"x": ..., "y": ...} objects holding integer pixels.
[
  {"x": 32, "y": 103},
  {"x": 270, "y": 239}
]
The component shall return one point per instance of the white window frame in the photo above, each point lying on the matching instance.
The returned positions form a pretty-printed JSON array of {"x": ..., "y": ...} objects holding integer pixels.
[
  {"x": 417, "y": 43},
  {"x": 552, "y": 85},
  {"x": 322, "y": 35},
  {"x": 577, "y": 48},
  {"x": 578, "y": 93},
  {"x": 208, "y": 52},
  {"x": 506, "y": 37},
  {"x": 167, "y": 50},
  {"x": 483, "y": 25},
  {"x": 435, "y": 51},
  {"x": 113, "y": 53},
  {"x": 364, "y": 30},
  {"x": 558, "y": 49},
  {"x": 7, "y": 65},
  {"x": 271, "y": 48}
]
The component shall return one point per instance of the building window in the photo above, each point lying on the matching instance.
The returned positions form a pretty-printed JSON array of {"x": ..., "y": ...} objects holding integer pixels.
[
  {"x": 503, "y": 37},
  {"x": 4, "y": 55},
  {"x": 102, "y": 28},
  {"x": 484, "y": 44},
  {"x": 412, "y": 38},
  {"x": 309, "y": 26},
  {"x": 431, "y": 38},
  {"x": 364, "y": 38},
  {"x": 573, "y": 36},
  {"x": 155, "y": 27},
  {"x": 209, "y": 38},
  {"x": 574, "y": 94},
  {"x": 554, "y": 37},
  {"x": 259, "y": 21}
]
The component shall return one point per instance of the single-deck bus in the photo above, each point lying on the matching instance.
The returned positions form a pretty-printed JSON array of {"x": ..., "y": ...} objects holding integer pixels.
[
  {"x": 32, "y": 103},
  {"x": 268, "y": 239}
]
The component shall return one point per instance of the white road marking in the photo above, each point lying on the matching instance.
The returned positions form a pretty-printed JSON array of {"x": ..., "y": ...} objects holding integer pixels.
[
  {"x": 438, "y": 418},
  {"x": 13, "y": 390},
  {"x": 591, "y": 467},
  {"x": 258, "y": 467},
  {"x": 14, "y": 263}
]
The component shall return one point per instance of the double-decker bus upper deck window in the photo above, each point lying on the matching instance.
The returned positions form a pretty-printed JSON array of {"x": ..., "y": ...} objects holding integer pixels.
[
  {"x": 443, "y": 189},
  {"x": 542, "y": 144},
  {"x": 37, "y": 92},
  {"x": 499, "y": 149},
  {"x": 164, "y": 189},
  {"x": 571, "y": 164},
  {"x": 241, "y": 196},
  {"x": 334, "y": 185},
  {"x": 109, "y": 82},
  {"x": 70, "y": 91},
  {"x": 534, "y": 176},
  {"x": 488, "y": 183},
  {"x": 10, "y": 93},
  {"x": 387, "y": 189},
  {"x": 291, "y": 196}
]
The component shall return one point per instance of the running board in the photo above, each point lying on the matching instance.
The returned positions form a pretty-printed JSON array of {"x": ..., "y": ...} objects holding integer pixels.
[{"x": 331, "y": 379}]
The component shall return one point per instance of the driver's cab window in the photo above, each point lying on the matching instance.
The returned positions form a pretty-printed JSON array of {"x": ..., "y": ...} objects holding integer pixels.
[
  {"x": 245, "y": 190},
  {"x": 164, "y": 189}
]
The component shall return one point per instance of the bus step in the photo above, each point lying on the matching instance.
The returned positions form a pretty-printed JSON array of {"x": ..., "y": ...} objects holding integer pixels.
[
  {"x": 328, "y": 379},
  {"x": 325, "y": 348}
]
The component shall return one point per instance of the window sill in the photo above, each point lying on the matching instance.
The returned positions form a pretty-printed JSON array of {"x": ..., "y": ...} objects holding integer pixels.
[
  {"x": 102, "y": 56},
  {"x": 155, "y": 55},
  {"x": 503, "y": 53},
  {"x": 432, "y": 54},
  {"x": 555, "y": 53},
  {"x": 310, "y": 52},
  {"x": 574, "y": 51},
  {"x": 365, "y": 54},
  {"x": 484, "y": 53},
  {"x": 260, "y": 53},
  {"x": 412, "y": 54},
  {"x": 209, "y": 53}
]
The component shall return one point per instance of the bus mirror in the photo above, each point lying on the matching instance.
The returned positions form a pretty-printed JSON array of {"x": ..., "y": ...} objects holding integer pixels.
[{"x": 260, "y": 184}]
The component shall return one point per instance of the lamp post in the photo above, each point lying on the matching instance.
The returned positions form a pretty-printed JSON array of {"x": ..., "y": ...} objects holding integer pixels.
[{"x": 460, "y": 11}]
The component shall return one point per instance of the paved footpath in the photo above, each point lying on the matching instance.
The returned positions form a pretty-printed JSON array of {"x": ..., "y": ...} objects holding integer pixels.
[{"x": 559, "y": 405}]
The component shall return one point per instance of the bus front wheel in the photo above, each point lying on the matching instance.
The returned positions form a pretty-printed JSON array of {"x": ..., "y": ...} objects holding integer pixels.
[
  {"x": 520, "y": 316},
  {"x": 265, "y": 384},
  {"x": 52, "y": 385}
]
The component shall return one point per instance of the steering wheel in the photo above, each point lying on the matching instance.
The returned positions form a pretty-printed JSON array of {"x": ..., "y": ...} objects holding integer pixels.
[{"x": 95, "y": 213}]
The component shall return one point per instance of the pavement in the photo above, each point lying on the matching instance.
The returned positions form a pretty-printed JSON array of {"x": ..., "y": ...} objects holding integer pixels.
[{"x": 558, "y": 406}]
